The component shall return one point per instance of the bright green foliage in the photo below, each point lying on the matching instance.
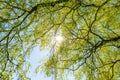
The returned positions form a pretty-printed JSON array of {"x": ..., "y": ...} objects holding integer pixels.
[{"x": 90, "y": 31}]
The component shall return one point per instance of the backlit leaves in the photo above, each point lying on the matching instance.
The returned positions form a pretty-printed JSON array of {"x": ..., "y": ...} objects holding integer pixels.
[{"x": 90, "y": 29}]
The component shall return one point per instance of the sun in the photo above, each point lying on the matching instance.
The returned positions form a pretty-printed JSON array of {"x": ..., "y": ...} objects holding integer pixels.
[{"x": 59, "y": 38}]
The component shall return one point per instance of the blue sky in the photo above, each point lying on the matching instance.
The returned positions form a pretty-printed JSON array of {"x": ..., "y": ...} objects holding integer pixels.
[{"x": 35, "y": 60}]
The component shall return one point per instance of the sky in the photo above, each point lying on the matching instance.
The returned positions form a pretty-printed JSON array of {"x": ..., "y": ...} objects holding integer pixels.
[{"x": 35, "y": 60}]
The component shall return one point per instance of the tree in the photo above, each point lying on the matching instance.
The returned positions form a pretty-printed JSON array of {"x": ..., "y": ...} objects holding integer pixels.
[{"x": 90, "y": 31}]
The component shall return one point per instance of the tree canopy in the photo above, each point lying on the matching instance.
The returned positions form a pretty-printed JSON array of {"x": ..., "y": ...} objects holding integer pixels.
[{"x": 90, "y": 30}]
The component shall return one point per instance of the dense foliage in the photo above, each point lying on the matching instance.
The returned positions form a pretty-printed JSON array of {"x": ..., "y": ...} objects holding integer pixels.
[{"x": 90, "y": 31}]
